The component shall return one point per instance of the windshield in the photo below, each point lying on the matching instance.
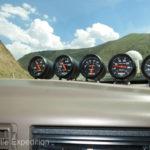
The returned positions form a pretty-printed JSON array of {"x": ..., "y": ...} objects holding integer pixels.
[{"x": 76, "y": 28}]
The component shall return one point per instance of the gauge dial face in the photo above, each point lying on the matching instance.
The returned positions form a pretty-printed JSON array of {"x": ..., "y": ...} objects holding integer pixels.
[
  {"x": 121, "y": 66},
  {"x": 63, "y": 66},
  {"x": 146, "y": 67},
  {"x": 90, "y": 66},
  {"x": 37, "y": 66}
]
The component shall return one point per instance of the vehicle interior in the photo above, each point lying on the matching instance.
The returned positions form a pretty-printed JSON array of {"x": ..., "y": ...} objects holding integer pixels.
[{"x": 60, "y": 93}]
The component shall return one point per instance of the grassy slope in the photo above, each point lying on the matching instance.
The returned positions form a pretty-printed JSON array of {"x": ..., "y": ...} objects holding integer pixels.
[
  {"x": 139, "y": 42},
  {"x": 9, "y": 67}
]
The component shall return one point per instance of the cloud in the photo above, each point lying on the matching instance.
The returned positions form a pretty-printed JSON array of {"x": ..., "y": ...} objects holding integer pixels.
[
  {"x": 13, "y": 32},
  {"x": 7, "y": 10},
  {"x": 39, "y": 34},
  {"x": 53, "y": 19},
  {"x": 45, "y": 16},
  {"x": 19, "y": 49},
  {"x": 44, "y": 33},
  {"x": 29, "y": 8},
  {"x": 88, "y": 37},
  {"x": 102, "y": 32},
  {"x": 82, "y": 40}
]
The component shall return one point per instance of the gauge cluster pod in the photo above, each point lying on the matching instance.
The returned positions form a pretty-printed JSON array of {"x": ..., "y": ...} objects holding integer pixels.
[
  {"x": 92, "y": 67},
  {"x": 122, "y": 67},
  {"x": 66, "y": 67},
  {"x": 41, "y": 68}
]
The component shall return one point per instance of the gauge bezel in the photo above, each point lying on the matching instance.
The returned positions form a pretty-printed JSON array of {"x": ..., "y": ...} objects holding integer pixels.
[
  {"x": 43, "y": 72},
  {"x": 54, "y": 67},
  {"x": 99, "y": 72},
  {"x": 128, "y": 77},
  {"x": 142, "y": 68}
]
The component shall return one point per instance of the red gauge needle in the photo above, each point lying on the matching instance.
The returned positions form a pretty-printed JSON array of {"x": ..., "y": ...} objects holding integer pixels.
[
  {"x": 63, "y": 66},
  {"x": 91, "y": 70},
  {"x": 120, "y": 66},
  {"x": 38, "y": 66}
]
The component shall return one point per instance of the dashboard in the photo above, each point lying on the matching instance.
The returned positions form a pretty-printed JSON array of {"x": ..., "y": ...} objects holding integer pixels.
[{"x": 70, "y": 113}]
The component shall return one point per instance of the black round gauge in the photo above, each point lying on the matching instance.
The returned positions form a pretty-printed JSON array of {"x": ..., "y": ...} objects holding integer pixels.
[
  {"x": 40, "y": 67},
  {"x": 66, "y": 67},
  {"x": 122, "y": 67},
  {"x": 146, "y": 67},
  {"x": 92, "y": 67}
]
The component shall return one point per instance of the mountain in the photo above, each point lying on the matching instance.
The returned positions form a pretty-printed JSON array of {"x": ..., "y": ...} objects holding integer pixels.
[
  {"x": 9, "y": 67},
  {"x": 139, "y": 42}
]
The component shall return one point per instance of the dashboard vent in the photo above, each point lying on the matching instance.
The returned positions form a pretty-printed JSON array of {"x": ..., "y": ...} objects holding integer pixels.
[
  {"x": 84, "y": 138},
  {"x": 5, "y": 136}
]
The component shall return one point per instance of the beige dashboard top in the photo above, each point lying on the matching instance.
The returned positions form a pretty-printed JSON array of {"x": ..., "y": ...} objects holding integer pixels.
[
  {"x": 53, "y": 102},
  {"x": 71, "y": 103}
]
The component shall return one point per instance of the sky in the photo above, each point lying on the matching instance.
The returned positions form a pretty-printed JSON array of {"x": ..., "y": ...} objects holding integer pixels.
[{"x": 28, "y": 26}]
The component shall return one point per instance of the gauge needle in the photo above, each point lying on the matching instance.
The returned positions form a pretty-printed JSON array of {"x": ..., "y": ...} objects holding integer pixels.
[
  {"x": 91, "y": 70},
  {"x": 38, "y": 66},
  {"x": 63, "y": 66},
  {"x": 120, "y": 66}
]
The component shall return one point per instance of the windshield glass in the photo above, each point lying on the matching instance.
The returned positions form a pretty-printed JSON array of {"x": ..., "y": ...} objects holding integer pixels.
[{"x": 76, "y": 28}]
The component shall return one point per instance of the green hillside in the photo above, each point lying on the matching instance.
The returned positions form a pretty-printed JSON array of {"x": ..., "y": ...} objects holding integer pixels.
[
  {"x": 139, "y": 42},
  {"x": 9, "y": 67}
]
